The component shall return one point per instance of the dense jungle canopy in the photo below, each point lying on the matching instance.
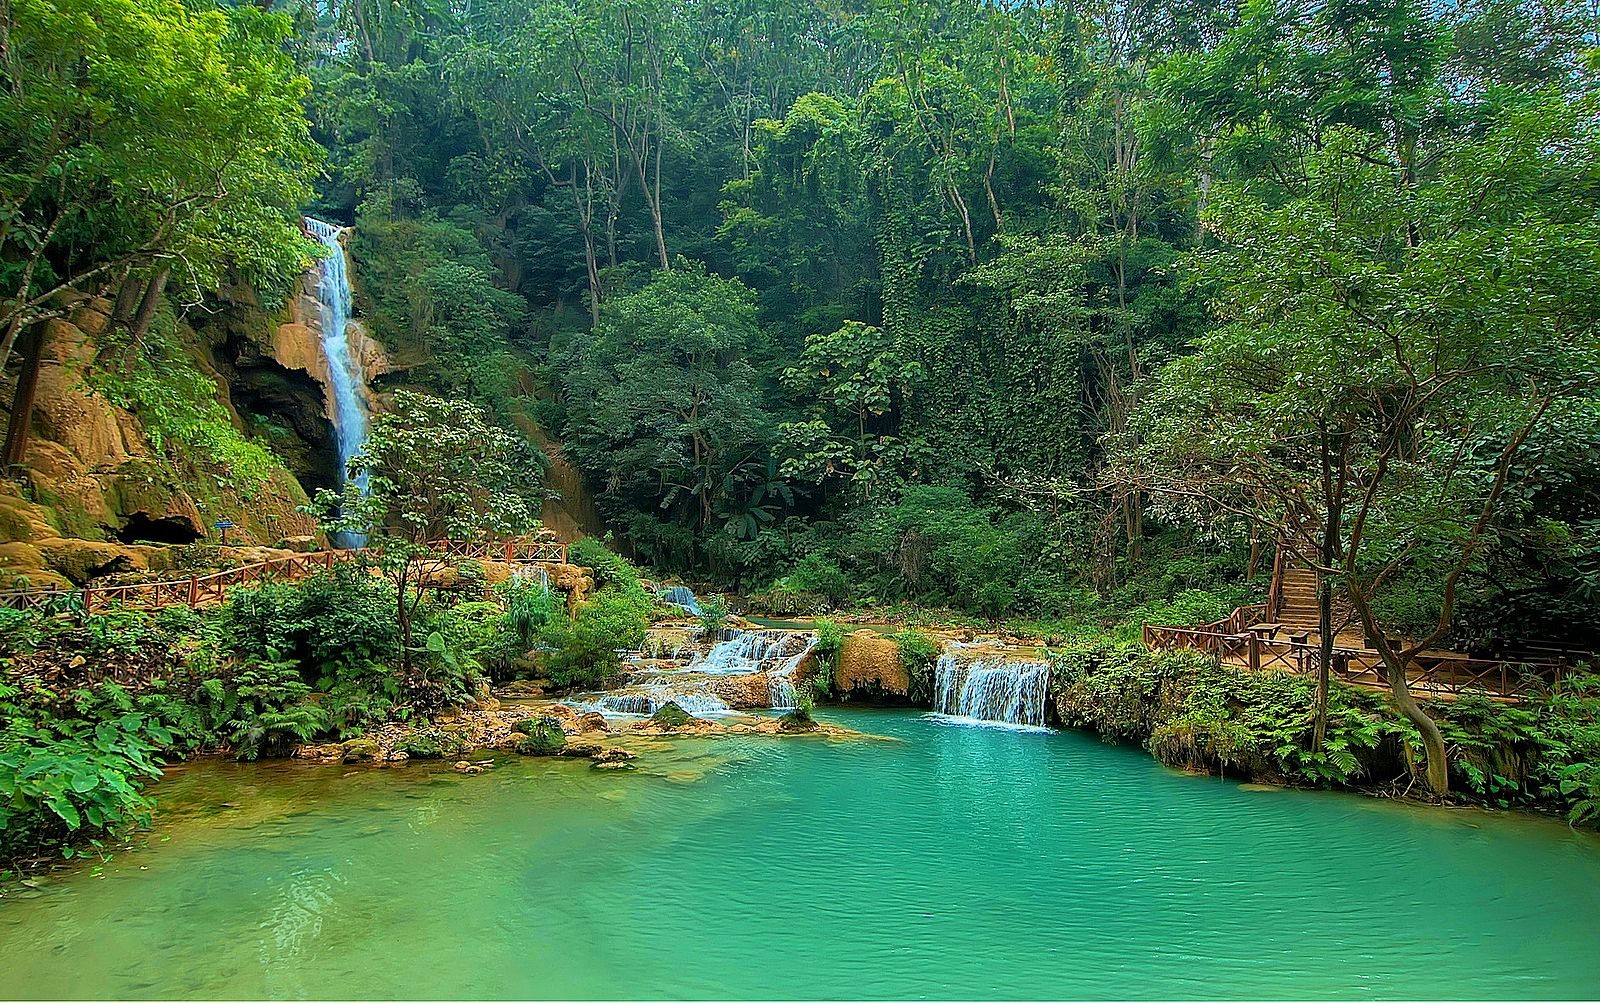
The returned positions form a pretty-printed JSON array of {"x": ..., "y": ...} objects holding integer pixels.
[{"x": 1009, "y": 306}]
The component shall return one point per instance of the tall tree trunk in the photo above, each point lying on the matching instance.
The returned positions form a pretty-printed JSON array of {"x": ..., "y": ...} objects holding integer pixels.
[
  {"x": 127, "y": 301},
  {"x": 17, "y": 429}
]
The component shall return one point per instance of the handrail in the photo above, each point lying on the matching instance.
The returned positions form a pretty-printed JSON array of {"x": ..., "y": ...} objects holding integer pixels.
[
  {"x": 200, "y": 590},
  {"x": 1510, "y": 679}
]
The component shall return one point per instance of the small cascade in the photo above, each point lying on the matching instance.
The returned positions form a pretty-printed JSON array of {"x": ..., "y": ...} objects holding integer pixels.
[
  {"x": 681, "y": 596},
  {"x": 533, "y": 572},
  {"x": 748, "y": 651},
  {"x": 348, "y": 382},
  {"x": 989, "y": 686},
  {"x": 781, "y": 694},
  {"x": 646, "y": 700}
]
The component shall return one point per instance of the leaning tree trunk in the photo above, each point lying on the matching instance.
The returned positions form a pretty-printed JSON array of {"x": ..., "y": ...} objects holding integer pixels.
[
  {"x": 17, "y": 429},
  {"x": 1395, "y": 664}
]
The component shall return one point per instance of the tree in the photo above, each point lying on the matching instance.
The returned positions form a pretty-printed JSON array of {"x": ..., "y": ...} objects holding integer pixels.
[
  {"x": 663, "y": 397},
  {"x": 860, "y": 379},
  {"x": 1393, "y": 344},
  {"x": 433, "y": 469},
  {"x": 144, "y": 147}
]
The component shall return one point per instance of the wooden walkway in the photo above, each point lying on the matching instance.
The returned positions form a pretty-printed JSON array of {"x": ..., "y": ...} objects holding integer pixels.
[
  {"x": 197, "y": 591},
  {"x": 1243, "y": 639}
]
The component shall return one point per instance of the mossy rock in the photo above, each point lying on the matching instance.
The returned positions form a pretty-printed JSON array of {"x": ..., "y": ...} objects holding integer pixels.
[
  {"x": 432, "y": 743},
  {"x": 797, "y": 720},
  {"x": 670, "y": 715},
  {"x": 544, "y": 737},
  {"x": 359, "y": 750}
]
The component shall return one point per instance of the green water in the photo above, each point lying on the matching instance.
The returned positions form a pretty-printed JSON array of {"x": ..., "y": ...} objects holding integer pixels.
[{"x": 954, "y": 863}]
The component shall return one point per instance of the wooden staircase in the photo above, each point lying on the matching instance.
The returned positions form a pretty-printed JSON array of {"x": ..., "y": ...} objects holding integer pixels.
[{"x": 1296, "y": 591}]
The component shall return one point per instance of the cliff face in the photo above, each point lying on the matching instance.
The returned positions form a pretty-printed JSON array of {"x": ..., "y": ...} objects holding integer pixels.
[
  {"x": 100, "y": 498},
  {"x": 276, "y": 375}
]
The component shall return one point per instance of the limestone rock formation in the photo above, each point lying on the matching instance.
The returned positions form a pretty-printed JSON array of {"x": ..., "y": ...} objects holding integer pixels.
[{"x": 869, "y": 666}]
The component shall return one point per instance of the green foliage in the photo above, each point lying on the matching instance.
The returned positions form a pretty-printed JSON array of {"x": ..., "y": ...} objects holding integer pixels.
[
  {"x": 266, "y": 711},
  {"x": 144, "y": 136},
  {"x": 583, "y": 652},
  {"x": 918, "y": 652},
  {"x": 177, "y": 406},
  {"x": 713, "y": 615},
  {"x": 63, "y": 779}
]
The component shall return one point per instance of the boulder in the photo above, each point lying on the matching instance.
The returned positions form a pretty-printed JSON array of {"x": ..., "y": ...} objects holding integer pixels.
[
  {"x": 797, "y": 721},
  {"x": 593, "y": 721},
  {"x": 670, "y": 715},
  {"x": 358, "y": 750},
  {"x": 544, "y": 737},
  {"x": 870, "y": 666}
]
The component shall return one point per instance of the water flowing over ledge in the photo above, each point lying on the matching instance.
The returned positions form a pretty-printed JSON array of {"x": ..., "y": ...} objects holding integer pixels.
[
  {"x": 348, "y": 409},
  {"x": 993, "y": 687}
]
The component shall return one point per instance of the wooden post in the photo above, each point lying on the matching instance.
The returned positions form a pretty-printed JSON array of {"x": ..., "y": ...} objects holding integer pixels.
[
  {"x": 510, "y": 548},
  {"x": 194, "y": 591},
  {"x": 1255, "y": 652}
]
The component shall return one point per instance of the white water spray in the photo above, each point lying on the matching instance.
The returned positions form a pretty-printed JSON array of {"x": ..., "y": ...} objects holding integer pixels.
[
  {"x": 348, "y": 382},
  {"x": 991, "y": 687}
]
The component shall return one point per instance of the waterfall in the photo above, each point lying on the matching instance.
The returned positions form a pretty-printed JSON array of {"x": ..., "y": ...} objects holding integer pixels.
[
  {"x": 775, "y": 653},
  {"x": 681, "y": 596},
  {"x": 991, "y": 687},
  {"x": 533, "y": 572},
  {"x": 347, "y": 381}
]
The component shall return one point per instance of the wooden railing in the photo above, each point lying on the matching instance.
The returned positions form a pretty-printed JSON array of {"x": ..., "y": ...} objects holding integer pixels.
[
  {"x": 520, "y": 550},
  {"x": 194, "y": 591},
  {"x": 1436, "y": 674},
  {"x": 204, "y": 590}
]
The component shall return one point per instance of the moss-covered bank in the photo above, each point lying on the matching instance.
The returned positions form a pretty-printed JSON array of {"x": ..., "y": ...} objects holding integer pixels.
[{"x": 1193, "y": 713}]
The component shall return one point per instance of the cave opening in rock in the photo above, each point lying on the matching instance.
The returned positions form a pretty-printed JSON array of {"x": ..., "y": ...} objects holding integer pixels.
[{"x": 142, "y": 527}]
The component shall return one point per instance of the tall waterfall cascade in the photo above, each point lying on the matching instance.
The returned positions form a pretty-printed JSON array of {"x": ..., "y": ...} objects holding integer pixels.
[
  {"x": 990, "y": 686},
  {"x": 347, "y": 381}
]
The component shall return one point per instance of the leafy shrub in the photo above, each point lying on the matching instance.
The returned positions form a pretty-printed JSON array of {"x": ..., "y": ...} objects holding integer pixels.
[
  {"x": 67, "y": 779},
  {"x": 713, "y": 615},
  {"x": 830, "y": 638},
  {"x": 918, "y": 652},
  {"x": 529, "y": 606},
  {"x": 266, "y": 711}
]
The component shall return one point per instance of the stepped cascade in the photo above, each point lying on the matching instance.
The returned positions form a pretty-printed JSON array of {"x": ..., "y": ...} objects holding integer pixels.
[
  {"x": 348, "y": 410},
  {"x": 990, "y": 686}
]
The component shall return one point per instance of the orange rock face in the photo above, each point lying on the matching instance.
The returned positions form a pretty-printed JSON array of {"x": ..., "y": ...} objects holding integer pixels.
[{"x": 870, "y": 665}]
